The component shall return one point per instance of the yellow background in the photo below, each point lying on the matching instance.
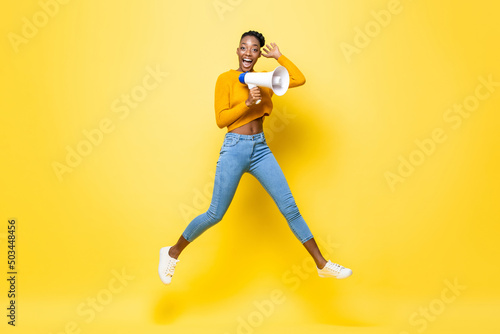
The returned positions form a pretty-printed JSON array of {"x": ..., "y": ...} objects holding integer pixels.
[{"x": 336, "y": 138}]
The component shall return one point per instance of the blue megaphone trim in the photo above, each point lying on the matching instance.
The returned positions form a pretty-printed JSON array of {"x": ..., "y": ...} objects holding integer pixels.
[{"x": 242, "y": 77}]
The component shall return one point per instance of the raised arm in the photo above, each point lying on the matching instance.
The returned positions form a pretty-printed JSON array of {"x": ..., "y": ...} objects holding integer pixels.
[{"x": 296, "y": 77}]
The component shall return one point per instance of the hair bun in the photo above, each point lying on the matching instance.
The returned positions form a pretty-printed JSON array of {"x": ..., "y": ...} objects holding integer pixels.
[{"x": 256, "y": 34}]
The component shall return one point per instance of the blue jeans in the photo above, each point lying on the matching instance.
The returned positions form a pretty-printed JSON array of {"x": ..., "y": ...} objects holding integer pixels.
[{"x": 248, "y": 154}]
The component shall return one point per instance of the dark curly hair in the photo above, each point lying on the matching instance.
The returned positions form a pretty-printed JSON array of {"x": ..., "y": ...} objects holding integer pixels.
[{"x": 258, "y": 35}]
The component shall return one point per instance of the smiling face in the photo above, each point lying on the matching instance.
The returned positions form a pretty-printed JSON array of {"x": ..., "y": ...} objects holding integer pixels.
[{"x": 248, "y": 52}]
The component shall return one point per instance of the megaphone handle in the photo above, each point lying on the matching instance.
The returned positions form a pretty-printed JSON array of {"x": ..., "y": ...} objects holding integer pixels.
[{"x": 250, "y": 86}]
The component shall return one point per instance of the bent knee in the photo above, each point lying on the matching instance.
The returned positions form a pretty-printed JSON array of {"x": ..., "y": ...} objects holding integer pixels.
[
  {"x": 290, "y": 211},
  {"x": 214, "y": 217}
]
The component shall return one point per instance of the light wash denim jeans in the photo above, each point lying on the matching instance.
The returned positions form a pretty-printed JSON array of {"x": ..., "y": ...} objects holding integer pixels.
[{"x": 248, "y": 154}]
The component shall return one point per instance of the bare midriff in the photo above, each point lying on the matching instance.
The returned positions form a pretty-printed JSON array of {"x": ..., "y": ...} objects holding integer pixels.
[{"x": 251, "y": 128}]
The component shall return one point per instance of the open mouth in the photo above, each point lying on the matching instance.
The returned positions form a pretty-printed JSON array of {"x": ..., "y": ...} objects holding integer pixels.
[{"x": 246, "y": 62}]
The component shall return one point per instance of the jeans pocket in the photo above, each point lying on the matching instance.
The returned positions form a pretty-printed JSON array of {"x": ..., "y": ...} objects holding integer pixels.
[{"x": 230, "y": 141}]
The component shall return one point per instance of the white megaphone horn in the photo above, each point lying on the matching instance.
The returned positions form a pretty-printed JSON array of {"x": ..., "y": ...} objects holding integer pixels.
[{"x": 278, "y": 80}]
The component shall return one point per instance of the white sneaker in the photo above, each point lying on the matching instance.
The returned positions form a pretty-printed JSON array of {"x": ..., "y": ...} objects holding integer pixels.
[
  {"x": 167, "y": 266},
  {"x": 334, "y": 270}
]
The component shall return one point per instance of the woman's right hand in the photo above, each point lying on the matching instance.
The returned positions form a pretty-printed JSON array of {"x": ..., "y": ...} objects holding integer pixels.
[{"x": 253, "y": 96}]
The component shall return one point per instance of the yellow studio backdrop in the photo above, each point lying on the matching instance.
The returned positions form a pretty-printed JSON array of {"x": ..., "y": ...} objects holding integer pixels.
[{"x": 391, "y": 149}]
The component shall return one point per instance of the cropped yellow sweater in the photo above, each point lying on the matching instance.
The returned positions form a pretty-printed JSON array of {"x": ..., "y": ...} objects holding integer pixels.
[{"x": 231, "y": 94}]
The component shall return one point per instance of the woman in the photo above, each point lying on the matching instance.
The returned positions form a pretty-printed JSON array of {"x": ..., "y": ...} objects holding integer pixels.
[{"x": 245, "y": 150}]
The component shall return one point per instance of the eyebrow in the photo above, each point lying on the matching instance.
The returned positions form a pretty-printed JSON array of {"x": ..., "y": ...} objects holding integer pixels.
[{"x": 245, "y": 44}]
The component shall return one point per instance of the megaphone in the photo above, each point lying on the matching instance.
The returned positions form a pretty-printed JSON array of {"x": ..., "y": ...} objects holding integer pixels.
[{"x": 278, "y": 80}]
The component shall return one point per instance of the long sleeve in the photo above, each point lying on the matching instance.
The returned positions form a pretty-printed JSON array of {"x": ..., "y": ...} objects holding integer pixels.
[
  {"x": 224, "y": 114},
  {"x": 296, "y": 76}
]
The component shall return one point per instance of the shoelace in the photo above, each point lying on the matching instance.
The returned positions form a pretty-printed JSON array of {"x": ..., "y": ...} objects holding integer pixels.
[
  {"x": 171, "y": 267},
  {"x": 336, "y": 268}
]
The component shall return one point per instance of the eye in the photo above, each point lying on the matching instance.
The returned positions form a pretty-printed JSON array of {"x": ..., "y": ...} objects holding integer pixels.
[{"x": 242, "y": 48}]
